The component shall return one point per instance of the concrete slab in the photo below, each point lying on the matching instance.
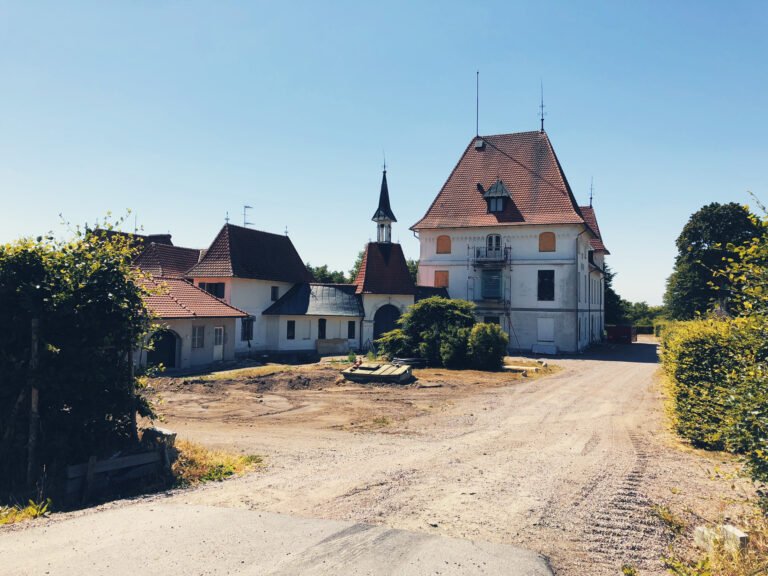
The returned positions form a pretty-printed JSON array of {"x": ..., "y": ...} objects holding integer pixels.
[{"x": 173, "y": 539}]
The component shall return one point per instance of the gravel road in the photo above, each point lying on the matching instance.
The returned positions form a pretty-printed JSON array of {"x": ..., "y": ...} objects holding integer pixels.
[{"x": 568, "y": 466}]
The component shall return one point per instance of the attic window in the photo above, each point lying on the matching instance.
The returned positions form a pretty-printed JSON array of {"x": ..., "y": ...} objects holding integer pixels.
[{"x": 496, "y": 196}]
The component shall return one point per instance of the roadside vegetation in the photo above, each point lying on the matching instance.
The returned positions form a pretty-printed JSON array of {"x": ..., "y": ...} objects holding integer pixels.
[
  {"x": 716, "y": 363},
  {"x": 71, "y": 314},
  {"x": 196, "y": 464}
]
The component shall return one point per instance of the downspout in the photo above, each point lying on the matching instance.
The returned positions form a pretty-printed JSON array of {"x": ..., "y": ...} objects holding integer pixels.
[{"x": 578, "y": 287}]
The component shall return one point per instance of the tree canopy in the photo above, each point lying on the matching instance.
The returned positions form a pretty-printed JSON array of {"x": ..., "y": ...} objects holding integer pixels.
[{"x": 705, "y": 243}]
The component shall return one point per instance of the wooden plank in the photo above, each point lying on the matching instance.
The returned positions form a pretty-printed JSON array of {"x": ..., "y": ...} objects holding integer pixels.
[{"x": 114, "y": 464}]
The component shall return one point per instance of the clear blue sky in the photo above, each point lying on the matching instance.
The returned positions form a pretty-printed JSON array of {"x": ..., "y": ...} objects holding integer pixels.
[{"x": 183, "y": 111}]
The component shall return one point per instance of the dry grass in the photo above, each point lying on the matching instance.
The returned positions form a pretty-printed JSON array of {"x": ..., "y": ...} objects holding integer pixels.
[
  {"x": 196, "y": 464},
  {"x": 14, "y": 514},
  {"x": 243, "y": 373}
]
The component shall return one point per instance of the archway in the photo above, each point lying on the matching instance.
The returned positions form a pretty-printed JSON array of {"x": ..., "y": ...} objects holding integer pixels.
[
  {"x": 385, "y": 320},
  {"x": 164, "y": 352}
]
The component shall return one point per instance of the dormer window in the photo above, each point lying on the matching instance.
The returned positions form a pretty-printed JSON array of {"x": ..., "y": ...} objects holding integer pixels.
[{"x": 496, "y": 196}]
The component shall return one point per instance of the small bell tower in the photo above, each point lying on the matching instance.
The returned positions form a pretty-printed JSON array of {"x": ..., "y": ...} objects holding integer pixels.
[{"x": 383, "y": 215}]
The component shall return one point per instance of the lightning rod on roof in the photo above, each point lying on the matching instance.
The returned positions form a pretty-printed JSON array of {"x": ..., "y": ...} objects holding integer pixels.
[
  {"x": 541, "y": 106},
  {"x": 477, "y": 104},
  {"x": 226, "y": 218},
  {"x": 591, "y": 189},
  {"x": 245, "y": 218},
  {"x": 384, "y": 155}
]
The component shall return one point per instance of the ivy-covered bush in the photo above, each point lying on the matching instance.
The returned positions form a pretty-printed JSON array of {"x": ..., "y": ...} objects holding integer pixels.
[{"x": 443, "y": 331}]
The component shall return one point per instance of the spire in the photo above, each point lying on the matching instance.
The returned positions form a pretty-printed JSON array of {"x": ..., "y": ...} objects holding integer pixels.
[{"x": 383, "y": 215}]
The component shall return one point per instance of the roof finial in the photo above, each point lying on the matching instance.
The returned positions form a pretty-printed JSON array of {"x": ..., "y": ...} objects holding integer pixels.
[
  {"x": 226, "y": 218},
  {"x": 591, "y": 189},
  {"x": 541, "y": 106},
  {"x": 385, "y": 160},
  {"x": 286, "y": 230}
]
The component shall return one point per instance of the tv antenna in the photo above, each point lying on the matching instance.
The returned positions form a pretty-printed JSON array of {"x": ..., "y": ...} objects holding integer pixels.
[
  {"x": 245, "y": 216},
  {"x": 541, "y": 107},
  {"x": 226, "y": 218},
  {"x": 591, "y": 189},
  {"x": 286, "y": 230}
]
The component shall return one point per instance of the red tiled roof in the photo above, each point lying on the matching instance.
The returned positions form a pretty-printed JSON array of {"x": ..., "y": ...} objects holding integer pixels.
[
  {"x": 527, "y": 165},
  {"x": 180, "y": 299},
  {"x": 245, "y": 253},
  {"x": 167, "y": 260},
  {"x": 384, "y": 271},
  {"x": 591, "y": 220}
]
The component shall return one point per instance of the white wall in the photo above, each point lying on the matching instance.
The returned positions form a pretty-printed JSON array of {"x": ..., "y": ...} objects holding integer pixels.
[
  {"x": 306, "y": 331},
  {"x": 253, "y": 297},
  {"x": 520, "y": 279},
  {"x": 188, "y": 357},
  {"x": 371, "y": 304}
]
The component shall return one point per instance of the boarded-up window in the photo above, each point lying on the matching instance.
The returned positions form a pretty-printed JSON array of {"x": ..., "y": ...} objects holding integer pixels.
[
  {"x": 441, "y": 278},
  {"x": 443, "y": 244},
  {"x": 547, "y": 242}
]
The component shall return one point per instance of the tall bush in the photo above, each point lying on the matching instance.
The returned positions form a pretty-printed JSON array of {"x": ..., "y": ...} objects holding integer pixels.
[
  {"x": 487, "y": 346},
  {"x": 88, "y": 316}
]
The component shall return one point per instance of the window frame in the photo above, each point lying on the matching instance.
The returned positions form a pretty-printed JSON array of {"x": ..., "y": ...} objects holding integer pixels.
[
  {"x": 198, "y": 337},
  {"x": 290, "y": 330},
  {"x": 274, "y": 293},
  {"x": 246, "y": 329},
  {"x": 351, "y": 329},
  {"x": 546, "y": 286},
  {"x": 544, "y": 242},
  {"x": 322, "y": 325}
]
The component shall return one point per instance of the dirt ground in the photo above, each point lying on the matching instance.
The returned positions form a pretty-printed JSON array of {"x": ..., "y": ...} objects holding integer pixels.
[{"x": 568, "y": 463}]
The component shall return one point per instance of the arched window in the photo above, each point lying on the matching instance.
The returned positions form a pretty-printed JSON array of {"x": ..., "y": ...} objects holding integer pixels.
[
  {"x": 443, "y": 244},
  {"x": 547, "y": 242}
]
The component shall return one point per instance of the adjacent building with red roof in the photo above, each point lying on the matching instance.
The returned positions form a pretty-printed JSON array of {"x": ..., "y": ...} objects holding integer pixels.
[{"x": 505, "y": 231}]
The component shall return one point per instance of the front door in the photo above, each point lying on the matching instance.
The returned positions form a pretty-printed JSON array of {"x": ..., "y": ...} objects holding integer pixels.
[{"x": 218, "y": 343}]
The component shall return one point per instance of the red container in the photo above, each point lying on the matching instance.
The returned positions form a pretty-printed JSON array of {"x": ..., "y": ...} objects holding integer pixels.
[{"x": 625, "y": 333}]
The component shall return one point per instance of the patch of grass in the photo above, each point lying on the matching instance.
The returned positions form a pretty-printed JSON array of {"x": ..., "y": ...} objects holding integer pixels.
[
  {"x": 13, "y": 514},
  {"x": 196, "y": 464},
  {"x": 669, "y": 518},
  {"x": 380, "y": 421},
  {"x": 629, "y": 570},
  {"x": 752, "y": 561},
  {"x": 241, "y": 373}
]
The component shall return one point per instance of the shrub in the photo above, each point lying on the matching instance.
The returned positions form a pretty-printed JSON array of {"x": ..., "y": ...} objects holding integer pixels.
[
  {"x": 718, "y": 372},
  {"x": 487, "y": 346},
  {"x": 453, "y": 348},
  {"x": 395, "y": 344},
  {"x": 659, "y": 326}
]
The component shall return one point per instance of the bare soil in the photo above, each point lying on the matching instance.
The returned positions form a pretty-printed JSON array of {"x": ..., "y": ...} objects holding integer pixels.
[{"x": 567, "y": 463}]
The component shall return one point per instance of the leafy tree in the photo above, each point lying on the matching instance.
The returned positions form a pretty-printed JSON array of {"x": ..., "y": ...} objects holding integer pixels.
[
  {"x": 615, "y": 312},
  {"x": 703, "y": 246},
  {"x": 322, "y": 274},
  {"x": 71, "y": 315},
  {"x": 356, "y": 266},
  {"x": 413, "y": 270}
]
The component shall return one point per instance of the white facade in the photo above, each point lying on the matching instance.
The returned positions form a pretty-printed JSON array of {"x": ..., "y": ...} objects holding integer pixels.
[
  {"x": 305, "y": 332},
  {"x": 503, "y": 277},
  {"x": 253, "y": 297},
  {"x": 372, "y": 303}
]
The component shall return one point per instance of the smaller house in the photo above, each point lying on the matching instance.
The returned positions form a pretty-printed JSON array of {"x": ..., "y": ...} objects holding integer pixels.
[
  {"x": 197, "y": 328},
  {"x": 322, "y": 318}
]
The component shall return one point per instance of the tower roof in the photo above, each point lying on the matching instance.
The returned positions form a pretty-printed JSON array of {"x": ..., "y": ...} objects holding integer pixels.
[
  {"x": 384, "y": 271},
  {"x": 384, "y": 212}
]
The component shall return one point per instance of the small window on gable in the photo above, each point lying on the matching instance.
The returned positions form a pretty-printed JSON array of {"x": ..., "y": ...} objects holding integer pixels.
[
  {"x": 443, "y": 244},
  {"x": 547, "y": 242},
  {"x": 441, "y": 278},
  {"x": 495, "y": 204}
]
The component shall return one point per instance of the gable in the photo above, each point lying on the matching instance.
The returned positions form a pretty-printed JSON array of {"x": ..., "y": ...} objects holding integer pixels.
[
  {"x": 525, "y": 162},
  {"x": 239, "y": 252},
  {"x": 384, "y": 271}
]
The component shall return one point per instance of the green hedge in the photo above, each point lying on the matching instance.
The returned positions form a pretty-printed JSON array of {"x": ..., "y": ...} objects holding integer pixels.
[{"x": 718, "y": 374}]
